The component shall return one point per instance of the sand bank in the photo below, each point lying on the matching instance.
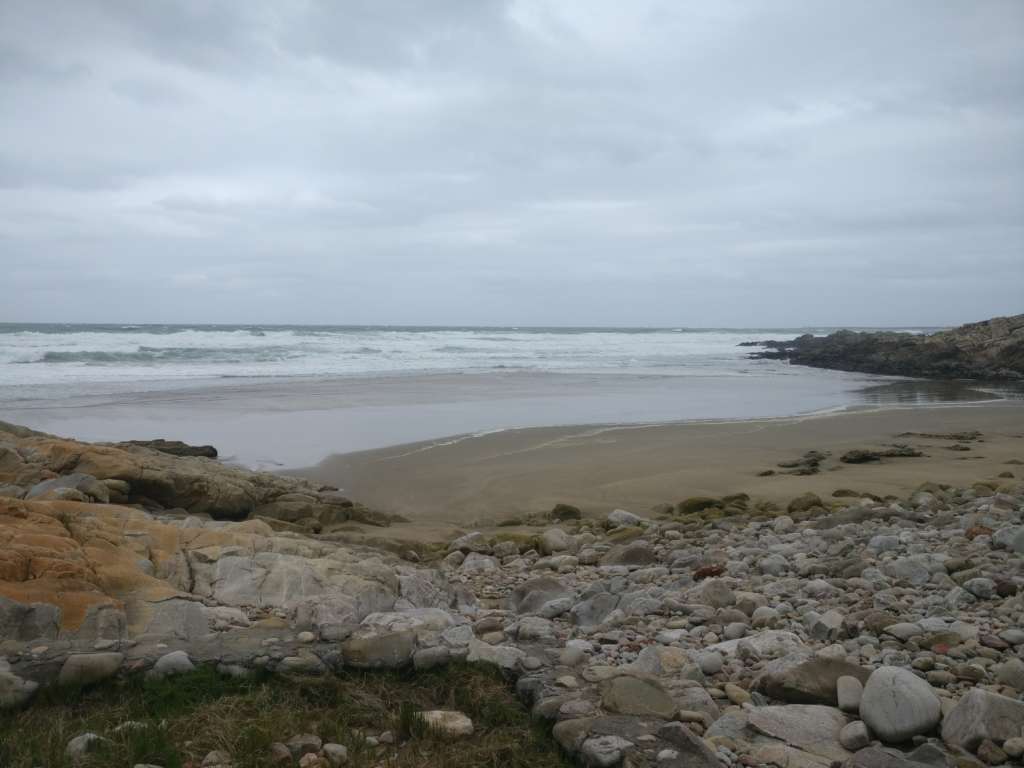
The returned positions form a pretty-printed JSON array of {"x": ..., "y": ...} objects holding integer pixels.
[{"x": 481, "y": 480}]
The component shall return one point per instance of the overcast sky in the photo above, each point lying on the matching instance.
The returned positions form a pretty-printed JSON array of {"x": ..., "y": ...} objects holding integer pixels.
[{"x": 526, "y": 162}]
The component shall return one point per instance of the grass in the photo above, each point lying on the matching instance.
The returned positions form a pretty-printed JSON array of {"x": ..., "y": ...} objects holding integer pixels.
[{"x": 174, "y": 723}]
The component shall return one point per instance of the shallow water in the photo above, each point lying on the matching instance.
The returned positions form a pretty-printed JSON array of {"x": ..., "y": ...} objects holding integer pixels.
[{"x": 293, "y": 422}]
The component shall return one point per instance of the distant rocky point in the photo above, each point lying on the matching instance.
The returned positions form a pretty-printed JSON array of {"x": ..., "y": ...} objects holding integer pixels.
[{"x": 992, "y": 350}]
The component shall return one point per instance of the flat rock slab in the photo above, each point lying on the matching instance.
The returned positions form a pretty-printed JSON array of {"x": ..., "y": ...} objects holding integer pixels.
[
  {"x": 981, "y": 715},
  {"x": 808, "y": 727},
  {"x": 626, "y": 695}
]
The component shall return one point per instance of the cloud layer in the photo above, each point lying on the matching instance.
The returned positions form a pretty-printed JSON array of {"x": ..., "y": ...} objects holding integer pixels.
[{"x": 524, "y": 162}]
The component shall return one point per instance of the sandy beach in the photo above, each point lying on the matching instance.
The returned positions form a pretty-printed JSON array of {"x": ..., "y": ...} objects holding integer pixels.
[{"x": 482, "y": 480}]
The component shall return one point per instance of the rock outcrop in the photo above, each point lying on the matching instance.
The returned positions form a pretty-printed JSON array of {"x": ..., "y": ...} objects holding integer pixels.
[
  {"x": 990, "y": 350},
  {"x": 725, "y": 637}
]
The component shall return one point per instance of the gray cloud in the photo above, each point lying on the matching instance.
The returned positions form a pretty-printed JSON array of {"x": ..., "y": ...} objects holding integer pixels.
[{"x": 519, "y": 161}]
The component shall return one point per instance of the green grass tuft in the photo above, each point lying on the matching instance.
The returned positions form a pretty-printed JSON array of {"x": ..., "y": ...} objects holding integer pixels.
[{"x": 175, "y": 722}]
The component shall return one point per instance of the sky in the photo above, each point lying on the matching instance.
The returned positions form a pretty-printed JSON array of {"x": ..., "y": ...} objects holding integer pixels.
[{"x": 529, "y": 162}]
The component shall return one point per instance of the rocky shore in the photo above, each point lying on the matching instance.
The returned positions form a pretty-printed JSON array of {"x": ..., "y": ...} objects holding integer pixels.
[
  {"x": 992, "y": 350},
  {"x": 860, "y": 631}
]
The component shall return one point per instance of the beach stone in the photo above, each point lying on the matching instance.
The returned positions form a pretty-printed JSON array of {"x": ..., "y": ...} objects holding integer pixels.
[
  {"x": 533, "y": 594},
  {"x": 88, "y": 668},
  {"x": 848, "y": 693},
  {"x": 634, "y": 553},
  {"x": 173, "y": 663},
  {"x": 80, "y": 747},
  {"x": 904, "y": 630},
  {"x": 303, "y": 664},
  {"x": 431, "y": 658},
  {"x": 896, "y": 704},
  {"x": 697, "y": 699},
  {"x": 604, "y": 751},
  {"x": 303, "y": 744},
  {"x": 14, "y": 691},
  {"x": 990, "y": 753},
  {"x": 504, "y": 656},
  {"x": 535, "y": 629},
  {"x": 1011, "y": 673},
  {"x": 627, "y": 695},
  {"x": 716, "y": 593},
  {"x": 773, "y": 565},
  {"x": 801, "y": 678},
  {"x": 446, "y": 723},
  {"x": 692, "y": 751},
  {"x": 983, "y": 589},
  {"x": 279, "y": 754},
  {"x": 591, "y": 612},
  {"x": 369, "y": 649},
  {"x": 471, "y": 542},
  {"x": 735, "y": 694},
  {"x": 710, "y": 663},
  {"x": 621, "y": 517},
  {"x": 980, "y": 715},
  {"x": 810, "y": 728},
  {"x": 854, "y": 736},
  {"x": 217, "y": 758},
  {"x": 336, "y": 754},
  {"x": 554, "y": 540},
  {"x": 1014, "y": 748},
  {"x": 908, "y": 570},
  {"x": 474, "y": 562}
]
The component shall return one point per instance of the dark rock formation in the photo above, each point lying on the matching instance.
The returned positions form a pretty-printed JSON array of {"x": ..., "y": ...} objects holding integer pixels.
[
  {"x": 991, "y": 350},
  {"x": 176, "y": 447}
]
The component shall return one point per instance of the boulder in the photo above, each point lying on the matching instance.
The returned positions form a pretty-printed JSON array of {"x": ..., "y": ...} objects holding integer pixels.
[
  {"x": 14, "y": 691},
  {"x": 801, "y": 678},
  {"x": 981, "y": 715},
  {"x": 87, "y": 668},
  {"x": 531, "y": 595},
  {"x": 693, "y": 752},
  {"x": 634, "y": 553},
  {"x": 173, "y": 663},
  {"x": 628, "y": 695},
  {"x": 897, "y": 705},
  {"x": 446, "y": 723},
  {"x": 812, "y": 729},
  {"x": 370, "y": 649}
]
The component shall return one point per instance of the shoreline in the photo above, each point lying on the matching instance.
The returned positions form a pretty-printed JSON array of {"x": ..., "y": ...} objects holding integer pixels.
[
  {"x": 481, "y": 479},
  {"x": 290, "y": 424}
]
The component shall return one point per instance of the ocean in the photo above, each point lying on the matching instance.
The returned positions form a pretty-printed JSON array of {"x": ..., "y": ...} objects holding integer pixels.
[
  {"x": 89, "y": 356},
  {"x": 288, "y": 396}
]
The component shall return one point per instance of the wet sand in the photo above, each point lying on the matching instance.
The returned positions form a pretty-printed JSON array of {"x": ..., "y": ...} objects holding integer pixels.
[{"x": 478, "y": 481}]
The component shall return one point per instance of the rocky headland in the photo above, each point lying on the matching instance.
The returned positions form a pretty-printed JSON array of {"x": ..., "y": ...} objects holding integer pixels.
[
  {"x": 992, "y": 350},
  {"x": 859, "y": 631}
]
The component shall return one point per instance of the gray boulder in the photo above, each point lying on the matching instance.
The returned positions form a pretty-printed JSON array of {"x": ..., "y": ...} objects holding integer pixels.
[
  {"x": 173, "y": 663},
  {"x": 897, "y": 705},
  {"x": 14, "y": 691},
  {"x": 981, "y": 715},
  {"x": 369, "y": 649},
  {"x": 627, "y": 695}
]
